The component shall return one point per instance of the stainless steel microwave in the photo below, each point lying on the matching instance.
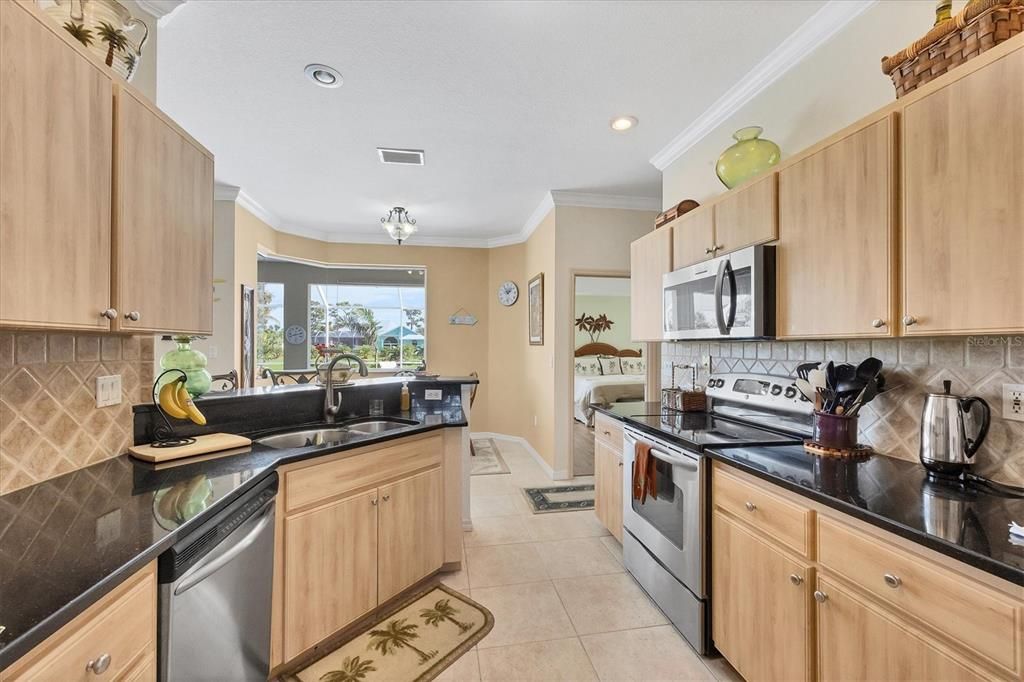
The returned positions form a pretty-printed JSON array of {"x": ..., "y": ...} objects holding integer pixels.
[{"x": 729, "y": 297}]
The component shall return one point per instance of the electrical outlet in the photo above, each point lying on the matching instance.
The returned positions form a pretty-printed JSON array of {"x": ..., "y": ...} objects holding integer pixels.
[
  {"x": 432, "y": 394},
  {"x": 108, "y": 390},
  {"x": 1013, "y": 402}
]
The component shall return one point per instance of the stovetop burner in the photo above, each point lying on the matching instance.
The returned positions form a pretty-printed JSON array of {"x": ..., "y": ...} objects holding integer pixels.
[{"x": 700, "y": 429}]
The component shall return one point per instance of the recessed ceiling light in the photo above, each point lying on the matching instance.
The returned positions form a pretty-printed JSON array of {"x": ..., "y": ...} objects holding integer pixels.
[
  {"x": 324, "y": 76},
  {"x": 621, "y": 124}
]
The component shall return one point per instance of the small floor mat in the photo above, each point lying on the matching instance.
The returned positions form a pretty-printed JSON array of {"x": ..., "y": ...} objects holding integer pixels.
[
  {"x": 486, "y": 458},
  {"x": 415, "y": 642},
  {"x": 560, "y": 498}
]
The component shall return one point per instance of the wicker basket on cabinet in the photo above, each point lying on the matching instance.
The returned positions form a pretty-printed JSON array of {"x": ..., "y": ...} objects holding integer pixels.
[{"x": 981, "y": 25}]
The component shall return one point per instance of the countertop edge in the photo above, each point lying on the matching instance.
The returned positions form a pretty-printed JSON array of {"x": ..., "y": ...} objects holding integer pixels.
[
  {"x": 983, "y": 563},
  {"x": 24, "y": 643}
]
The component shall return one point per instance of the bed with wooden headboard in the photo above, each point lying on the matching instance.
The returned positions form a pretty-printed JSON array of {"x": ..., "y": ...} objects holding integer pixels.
[{"x": 605, "y": 374}]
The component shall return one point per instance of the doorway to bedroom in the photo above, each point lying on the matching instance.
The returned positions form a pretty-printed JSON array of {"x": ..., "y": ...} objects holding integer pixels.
[{"x": 607, "y": 366}]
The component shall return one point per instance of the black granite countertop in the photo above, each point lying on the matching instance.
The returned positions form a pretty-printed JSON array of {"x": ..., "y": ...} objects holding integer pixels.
[
  {"x": 66, "y": 542},
  {"x": 968, "y": 523}
]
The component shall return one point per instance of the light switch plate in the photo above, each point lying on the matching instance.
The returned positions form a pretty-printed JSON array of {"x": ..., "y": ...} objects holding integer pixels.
[
  {"x": 1013, "y": 402},
  {"x": 108, "y": 390},
  {"x": 432, "y": 394}
]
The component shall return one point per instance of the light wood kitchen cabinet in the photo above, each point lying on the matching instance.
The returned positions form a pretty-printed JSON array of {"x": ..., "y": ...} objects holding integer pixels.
[
  {"x": 751, "y": 579},
  {"x": 747, "y": 216},
  {"x": 608, "y": 477},
  {"x": 693, "y": 237},
  {"x": 114, "y": 638},
  {"x": 330, "y": 569},
  {"x": 56, "y": 148},
  {"x": 857, "y": 640},
  {"x": 963, "y": 204},
  {"x": 163, "y": 223},
  {"x": 411, "y": 537},
  {"x": 650, "y": 258},
  {"x": 836, "y": 251}
]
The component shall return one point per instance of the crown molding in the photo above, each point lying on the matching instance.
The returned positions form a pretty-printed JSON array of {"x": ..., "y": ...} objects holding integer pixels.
[
  {"x": 159, "y": 8},
  {"x": 223, "y": 192},
  {"x": 814, "y": 32},
  {"x": 621, "y": 201}
]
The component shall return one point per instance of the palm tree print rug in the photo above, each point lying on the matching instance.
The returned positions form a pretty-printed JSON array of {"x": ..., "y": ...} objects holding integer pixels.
[
  {"x": 414, "y": 643},
  {"x": 560, "y": 498}
]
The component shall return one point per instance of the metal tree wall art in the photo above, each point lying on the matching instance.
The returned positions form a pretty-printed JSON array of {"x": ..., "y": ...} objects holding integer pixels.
[{"x": 593, "y": 325}]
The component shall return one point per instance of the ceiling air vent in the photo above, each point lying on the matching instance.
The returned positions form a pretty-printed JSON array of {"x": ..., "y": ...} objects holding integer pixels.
[{"x": 402, "y": 157}]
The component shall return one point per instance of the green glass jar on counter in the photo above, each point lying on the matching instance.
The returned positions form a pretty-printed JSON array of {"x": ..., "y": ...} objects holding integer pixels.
[{"x": 190, "y": 361}]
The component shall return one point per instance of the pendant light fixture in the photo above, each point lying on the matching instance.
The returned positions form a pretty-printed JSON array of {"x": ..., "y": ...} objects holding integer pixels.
[{"x": 398, "y": 224}]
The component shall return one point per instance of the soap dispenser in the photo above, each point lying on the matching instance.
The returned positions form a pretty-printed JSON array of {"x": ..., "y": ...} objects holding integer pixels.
[{"x": 406, "y": 398}]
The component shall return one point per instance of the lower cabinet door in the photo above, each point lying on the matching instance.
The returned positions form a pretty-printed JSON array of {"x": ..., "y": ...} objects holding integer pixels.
[
  {"x": 411, "y": 532},
  {"x": 608, "y": 487},
  {"x": 330, "y": 569},
  {"x": 861, "y": 640},
  {"x": 761, "y": 605}
]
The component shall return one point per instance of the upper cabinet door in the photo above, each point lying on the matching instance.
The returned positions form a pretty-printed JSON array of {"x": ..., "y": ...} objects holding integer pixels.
[
  {"x": 693, "y": 237},
  {"x": 650, "y": 257},
  {"x": 56, "y": 127},
  {"x": 163, "y": 223},
  {"x": 835, "y": 259},
  {"x": 963, "y": 204},
  {"x": 747, "y": 216}
]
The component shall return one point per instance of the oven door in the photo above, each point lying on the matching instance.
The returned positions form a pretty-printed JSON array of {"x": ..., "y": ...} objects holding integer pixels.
[
  {"x": 671, "y": 526},
  {"x": 727, "y": 297}
]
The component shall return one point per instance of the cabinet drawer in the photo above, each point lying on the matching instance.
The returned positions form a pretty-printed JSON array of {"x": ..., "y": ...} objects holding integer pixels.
[
  {"x": 123, "y": 628},
  {"x": 778, "y": 519},
  {"x": 321, "y": 482},
  {"x": 609, "y": 430},
  {"x": 978, "y": 617}
]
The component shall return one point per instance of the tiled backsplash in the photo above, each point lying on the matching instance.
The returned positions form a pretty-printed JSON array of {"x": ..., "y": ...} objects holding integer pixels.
[
  {"x": 49, "y": 422},
  {"x": 977, "y": 365}
]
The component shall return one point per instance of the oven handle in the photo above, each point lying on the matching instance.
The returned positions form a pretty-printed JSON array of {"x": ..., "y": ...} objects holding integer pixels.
[{"x": 667, "y": 457}]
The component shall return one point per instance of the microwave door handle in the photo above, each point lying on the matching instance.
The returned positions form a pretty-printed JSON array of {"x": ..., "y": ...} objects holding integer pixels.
[
  {"x": 732, "y": 296},
  {"x": 723, "y": 328}
]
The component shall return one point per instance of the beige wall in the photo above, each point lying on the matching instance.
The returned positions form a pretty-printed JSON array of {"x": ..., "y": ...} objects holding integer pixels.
[
  {"x": 839, "y": 83},
  {"x": 506, "y": 345},
  {"x": 537, "y": 403}
]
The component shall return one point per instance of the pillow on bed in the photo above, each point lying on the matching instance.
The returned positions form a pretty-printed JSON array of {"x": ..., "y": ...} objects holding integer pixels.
[
  {"x": 633, "y": 365},
  {"x": 610, "y": 365},
  {"x": 588, "y": 367}
]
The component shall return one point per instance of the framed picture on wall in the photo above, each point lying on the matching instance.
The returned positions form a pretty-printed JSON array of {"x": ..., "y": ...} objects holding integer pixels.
[
  {"x": 535, "y": 296},
  {"x": 247, "y": 376}
]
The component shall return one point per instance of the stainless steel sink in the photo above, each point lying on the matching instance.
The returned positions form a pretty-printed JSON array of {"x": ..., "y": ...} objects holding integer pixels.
[
  {"x": 307, "y": 438},
  {"x": 378, "y": 425}
]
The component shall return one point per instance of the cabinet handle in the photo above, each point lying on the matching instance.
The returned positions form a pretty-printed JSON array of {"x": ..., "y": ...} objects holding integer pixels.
[
  {"x": 820, "y": 597},
  {"x": 99, "y": 665},
  {"x": 387, "y": 497},
  {"x": 717, "y": 247},
  {"x": 877, "y": 323},
  {"x": 750, "y": 506},
  {"x": 892, "y": 581},
  {"x": 709, "y": 250},
  {"x": 620, "y": 465},
  {"x": 796, "y": 579},
  {"x": 133, "y": 316},
  {"x": 109, "y": 313},
  {"x": 374, "y": 502},
  {"x": 909, "y": 320},
  {"x": 607, "y": 433}
]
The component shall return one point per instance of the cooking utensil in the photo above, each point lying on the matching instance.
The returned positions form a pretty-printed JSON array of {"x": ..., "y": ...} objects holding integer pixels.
[
  {"x": 869, "y": 369},
  {"x": 945, "y": 445},
  {"x": 804, "y": 368},
  {"x": 865, "y": 397},
  {"x": 805, "y": 387}
]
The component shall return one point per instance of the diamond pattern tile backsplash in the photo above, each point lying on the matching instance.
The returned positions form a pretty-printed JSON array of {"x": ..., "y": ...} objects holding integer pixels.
[
  {"x": 49, "y": 422},
  {"x": 977, "y": 365}
]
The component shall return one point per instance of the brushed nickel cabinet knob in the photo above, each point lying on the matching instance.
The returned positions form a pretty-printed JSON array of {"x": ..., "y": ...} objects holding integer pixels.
[
  {"x": 387, "y": 497},
  {"x": 820, "y": 597},
  {"x": 133, "y": 316},
  {"x": 796, "y": 579},
  {"x": 750, "y": 506},
  {"x": 877, "y": 323},
  {"x": 709, "y": 250},
  {"x": 909, "y": 320},
  {"x": 892, "y": 581},
  {"x": 99, "y": 665},
  {"x": 109, "y": 313}
]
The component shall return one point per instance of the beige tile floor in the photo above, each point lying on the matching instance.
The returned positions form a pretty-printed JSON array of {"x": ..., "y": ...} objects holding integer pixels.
[{"x": 563, "y": 605}]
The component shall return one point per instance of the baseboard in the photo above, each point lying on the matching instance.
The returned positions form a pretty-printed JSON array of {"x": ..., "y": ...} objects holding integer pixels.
[{"x": 560, "y": 475}]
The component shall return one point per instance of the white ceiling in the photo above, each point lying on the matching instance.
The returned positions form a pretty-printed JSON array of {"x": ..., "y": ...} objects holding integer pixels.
[{"x": 509, "y": 100}]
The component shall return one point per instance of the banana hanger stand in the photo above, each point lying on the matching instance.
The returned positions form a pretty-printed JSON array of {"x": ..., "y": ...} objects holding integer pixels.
[{"x": 163, "y": 434}]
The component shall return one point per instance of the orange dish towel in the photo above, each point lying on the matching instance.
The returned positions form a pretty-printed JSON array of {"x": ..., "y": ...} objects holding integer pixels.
[{"x": 644, "y": 473}]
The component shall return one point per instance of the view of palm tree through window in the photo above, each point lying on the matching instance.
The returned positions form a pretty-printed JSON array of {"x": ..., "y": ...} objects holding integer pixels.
[{"x": 270, "y": 325}]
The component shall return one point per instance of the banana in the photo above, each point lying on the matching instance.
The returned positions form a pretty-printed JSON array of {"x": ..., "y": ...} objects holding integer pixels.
[
  {"x": 185, "y": 401},
  {"x": 169, "y": 402}
]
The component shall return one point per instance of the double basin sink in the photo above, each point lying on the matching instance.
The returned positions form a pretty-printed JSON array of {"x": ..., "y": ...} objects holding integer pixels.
[{"x": 337, "y": 433}]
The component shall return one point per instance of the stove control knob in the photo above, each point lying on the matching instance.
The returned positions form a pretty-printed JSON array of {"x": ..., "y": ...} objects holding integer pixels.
[
  {"x": 776, "y": 389},
  {"x": 791, "y": 392}
]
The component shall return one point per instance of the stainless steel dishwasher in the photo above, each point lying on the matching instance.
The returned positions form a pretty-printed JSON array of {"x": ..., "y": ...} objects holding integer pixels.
[{"x": 215, "y": 587}]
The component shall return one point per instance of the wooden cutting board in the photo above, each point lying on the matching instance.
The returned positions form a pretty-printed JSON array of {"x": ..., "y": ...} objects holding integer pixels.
[{"x": 211, "y": 442}]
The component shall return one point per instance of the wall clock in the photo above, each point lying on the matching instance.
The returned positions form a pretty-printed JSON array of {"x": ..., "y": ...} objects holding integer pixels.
[
  {"x": 295, "y": 334},
  {"x": 508, "y": 293}
]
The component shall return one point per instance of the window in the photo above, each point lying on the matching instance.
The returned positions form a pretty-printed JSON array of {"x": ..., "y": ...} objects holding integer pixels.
[
  {"x": 270, "y": 325},
  {"x": 385, "y": 325}
]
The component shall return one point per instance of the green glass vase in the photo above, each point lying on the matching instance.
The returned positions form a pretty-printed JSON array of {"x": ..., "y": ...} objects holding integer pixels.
[
  {"x": 190, "y": 361},
  {"x": 749, "y": 157}
]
